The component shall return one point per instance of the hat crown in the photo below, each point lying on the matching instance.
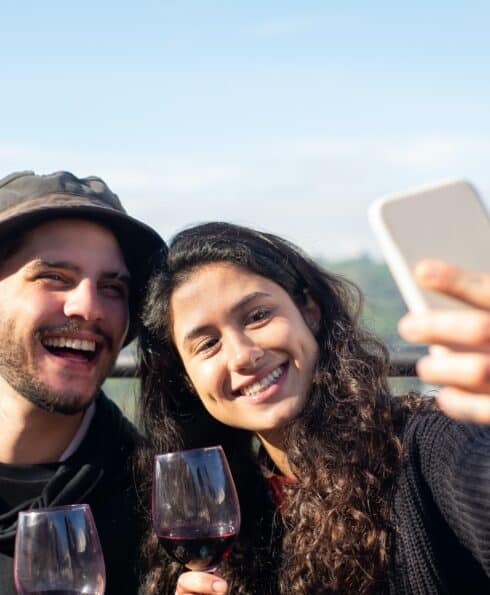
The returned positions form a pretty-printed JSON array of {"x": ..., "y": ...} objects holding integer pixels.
[{"x": 21, "y": 187}]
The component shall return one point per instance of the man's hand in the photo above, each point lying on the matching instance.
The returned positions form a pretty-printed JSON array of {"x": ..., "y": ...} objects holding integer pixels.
[
  {"x": 464, "y": 367},
  {"x": 191, "y": 583}
]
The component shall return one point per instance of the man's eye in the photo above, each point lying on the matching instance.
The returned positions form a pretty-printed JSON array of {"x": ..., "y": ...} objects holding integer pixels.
[
  {"x": 52, "y": 277},
  {"x": 116, "y": 290}
]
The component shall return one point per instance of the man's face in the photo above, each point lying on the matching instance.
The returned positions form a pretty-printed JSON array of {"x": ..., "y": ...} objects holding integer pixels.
[{"x": 63, "y": 313}]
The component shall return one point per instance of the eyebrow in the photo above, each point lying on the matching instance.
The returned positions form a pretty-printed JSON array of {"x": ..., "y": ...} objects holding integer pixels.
[
  {"x": 39, "y": 264},
  {"x": 202, "y": 330}
]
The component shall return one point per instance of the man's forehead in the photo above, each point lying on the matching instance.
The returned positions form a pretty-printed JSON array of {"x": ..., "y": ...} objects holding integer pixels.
[
  {"x": 62, "y": 239},
  {"x": 76, "y": 232},
  {"x": 68, "y": 226}
]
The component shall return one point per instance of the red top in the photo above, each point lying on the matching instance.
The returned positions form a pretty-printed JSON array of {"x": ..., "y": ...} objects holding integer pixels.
[{"x": 276, "y": 487}]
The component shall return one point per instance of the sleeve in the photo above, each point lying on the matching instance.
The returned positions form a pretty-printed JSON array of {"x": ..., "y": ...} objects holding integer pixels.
[{"x": 454, "y": 461}]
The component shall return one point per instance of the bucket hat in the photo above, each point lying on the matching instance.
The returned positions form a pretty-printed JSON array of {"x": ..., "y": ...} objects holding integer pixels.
[{"x": 27, "y": 199}]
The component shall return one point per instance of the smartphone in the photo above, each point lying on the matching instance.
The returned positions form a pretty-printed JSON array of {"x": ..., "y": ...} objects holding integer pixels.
[{"x": 447, "y": 221}]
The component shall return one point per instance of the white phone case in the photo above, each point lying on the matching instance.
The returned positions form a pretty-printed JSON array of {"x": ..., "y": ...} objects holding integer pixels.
[{"x": 447, "y": 221}]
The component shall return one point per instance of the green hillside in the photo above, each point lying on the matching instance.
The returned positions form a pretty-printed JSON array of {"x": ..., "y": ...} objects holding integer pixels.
[{"x": 383, "y": 305}]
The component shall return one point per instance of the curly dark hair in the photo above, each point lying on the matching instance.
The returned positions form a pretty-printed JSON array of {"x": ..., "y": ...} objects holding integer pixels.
[{"x": 334, "y": 534}]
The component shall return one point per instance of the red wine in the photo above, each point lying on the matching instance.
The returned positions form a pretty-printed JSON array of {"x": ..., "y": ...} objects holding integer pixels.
[{"x": 198, "y": 553}]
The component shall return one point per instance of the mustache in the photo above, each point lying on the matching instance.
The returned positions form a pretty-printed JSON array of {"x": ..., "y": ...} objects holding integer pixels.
[{"x": 71, "y": 326}]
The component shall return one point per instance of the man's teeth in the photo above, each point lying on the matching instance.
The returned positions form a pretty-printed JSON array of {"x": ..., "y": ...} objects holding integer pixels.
[
  {"x": 257, "y": 387},
  {"x": 79, "y": 344}
]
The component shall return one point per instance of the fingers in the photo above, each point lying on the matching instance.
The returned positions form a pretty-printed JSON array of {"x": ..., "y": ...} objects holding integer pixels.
[
  {"x": 464, "y": 328},
  {"x": 465, "y": 406},
  {"x": 470, "y": 287},
  {"x": 467, "y": 371},
  {"x": 191, "y": 583}
]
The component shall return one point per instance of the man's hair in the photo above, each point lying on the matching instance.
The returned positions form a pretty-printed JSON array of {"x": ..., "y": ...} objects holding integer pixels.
[{"x": 10, "y": 245}]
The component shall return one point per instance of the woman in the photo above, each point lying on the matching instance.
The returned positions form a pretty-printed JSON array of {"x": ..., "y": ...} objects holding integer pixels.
[{"x": 250, "y": 343}]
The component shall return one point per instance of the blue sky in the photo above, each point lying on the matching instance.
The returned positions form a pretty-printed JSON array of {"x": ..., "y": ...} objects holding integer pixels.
[{"x": 288, "y": 116}]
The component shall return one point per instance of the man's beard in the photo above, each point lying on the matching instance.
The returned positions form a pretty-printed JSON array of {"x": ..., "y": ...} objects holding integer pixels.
[{"x": 13, "y": 369}]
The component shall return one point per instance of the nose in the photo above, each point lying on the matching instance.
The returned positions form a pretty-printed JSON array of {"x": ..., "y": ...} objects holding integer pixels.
[
  {"x": 83, "y": 301},
  {"x": 243, "y": 353}
]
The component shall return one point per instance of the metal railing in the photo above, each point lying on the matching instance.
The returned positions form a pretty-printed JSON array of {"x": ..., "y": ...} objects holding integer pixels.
[{"x": 402, "y": 363}]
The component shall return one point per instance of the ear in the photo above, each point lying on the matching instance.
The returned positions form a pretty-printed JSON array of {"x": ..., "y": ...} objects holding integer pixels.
[{"x": 311, "y": 313}]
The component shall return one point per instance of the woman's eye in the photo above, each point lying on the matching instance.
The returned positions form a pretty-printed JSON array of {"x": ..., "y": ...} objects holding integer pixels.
[
  {"x": 207, "y": 345},
  {"x": 258, "y": 315}
]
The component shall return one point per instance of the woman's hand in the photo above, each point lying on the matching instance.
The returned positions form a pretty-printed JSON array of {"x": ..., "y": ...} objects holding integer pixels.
[
  {"x": 464, "y": 368},
  {"x": 192, "y": 582}
]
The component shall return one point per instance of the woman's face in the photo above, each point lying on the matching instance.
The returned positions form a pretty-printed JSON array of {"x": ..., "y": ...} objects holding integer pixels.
[{"x": 247, "y": 348}]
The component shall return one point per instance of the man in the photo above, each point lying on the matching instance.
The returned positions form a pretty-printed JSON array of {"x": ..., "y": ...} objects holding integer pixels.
[{"x": 72, "y": 267}]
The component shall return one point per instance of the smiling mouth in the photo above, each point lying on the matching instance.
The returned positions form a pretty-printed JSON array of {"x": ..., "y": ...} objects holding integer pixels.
[
  {"x": 71, "y": 347},
  {"x": 257, "y": 387}
]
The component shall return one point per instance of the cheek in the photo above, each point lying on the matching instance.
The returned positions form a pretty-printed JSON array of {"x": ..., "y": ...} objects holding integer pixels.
[
  {"x": 295, "y": 335},
  {"x": 208, "y": 381},
  {"x": 279, "y": 334},
  {"x": 311, "y": 350},
  {"x": 29, "y": 314},
  {"x": 305, "y": 351},
  {"x": 206, "y": 378},
  {"x": 118, "y": 317},
  {"x": 38, "y": 305}
]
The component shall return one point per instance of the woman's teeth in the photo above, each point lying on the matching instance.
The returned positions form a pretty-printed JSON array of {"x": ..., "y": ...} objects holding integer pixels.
[{"x": 261, "y": 385}]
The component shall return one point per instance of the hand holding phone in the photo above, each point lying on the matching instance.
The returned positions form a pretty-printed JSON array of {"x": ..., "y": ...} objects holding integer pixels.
[
  {"x": 445, "y": 222},
  {"x": 450, "y": 305}
]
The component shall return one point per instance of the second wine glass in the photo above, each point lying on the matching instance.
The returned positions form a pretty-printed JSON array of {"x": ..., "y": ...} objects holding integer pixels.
[
  {"x": 57, "y": 552},
  {"x": 196, "y": 513}
]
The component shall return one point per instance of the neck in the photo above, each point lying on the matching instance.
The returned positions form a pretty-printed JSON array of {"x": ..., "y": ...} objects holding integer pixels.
[
  {"x": 273, "y": 444},
  {"x": 31, "y": 435}
]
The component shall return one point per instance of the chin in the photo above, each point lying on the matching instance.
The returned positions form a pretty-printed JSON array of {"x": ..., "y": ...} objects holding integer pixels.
[
  {"x": 60, "y": 401},
  {"x": 284, "y": 418},
  {"x": 63, "y": 406},
  {"x": 74, "y": 403},
  {"x": 70, "y": 408}
]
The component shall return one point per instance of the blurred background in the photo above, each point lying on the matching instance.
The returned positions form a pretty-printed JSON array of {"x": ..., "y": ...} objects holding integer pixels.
[{"x": 288, "y": 116}]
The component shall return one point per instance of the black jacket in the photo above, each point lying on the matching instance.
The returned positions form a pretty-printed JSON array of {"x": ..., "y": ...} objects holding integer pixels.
[{"x": 99, "y": 473}]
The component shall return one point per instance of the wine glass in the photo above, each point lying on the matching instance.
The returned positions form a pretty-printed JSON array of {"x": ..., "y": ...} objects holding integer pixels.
[
  {"x": 195, "y": 506},
  {"x": 57, "y": 552}
]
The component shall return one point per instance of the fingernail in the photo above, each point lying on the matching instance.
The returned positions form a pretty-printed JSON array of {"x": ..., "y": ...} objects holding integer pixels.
[{"x": 219, "y": 586}]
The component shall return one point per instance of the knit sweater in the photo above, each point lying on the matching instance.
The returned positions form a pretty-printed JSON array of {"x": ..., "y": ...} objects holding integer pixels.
[{"x": 441, "y": 509}]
